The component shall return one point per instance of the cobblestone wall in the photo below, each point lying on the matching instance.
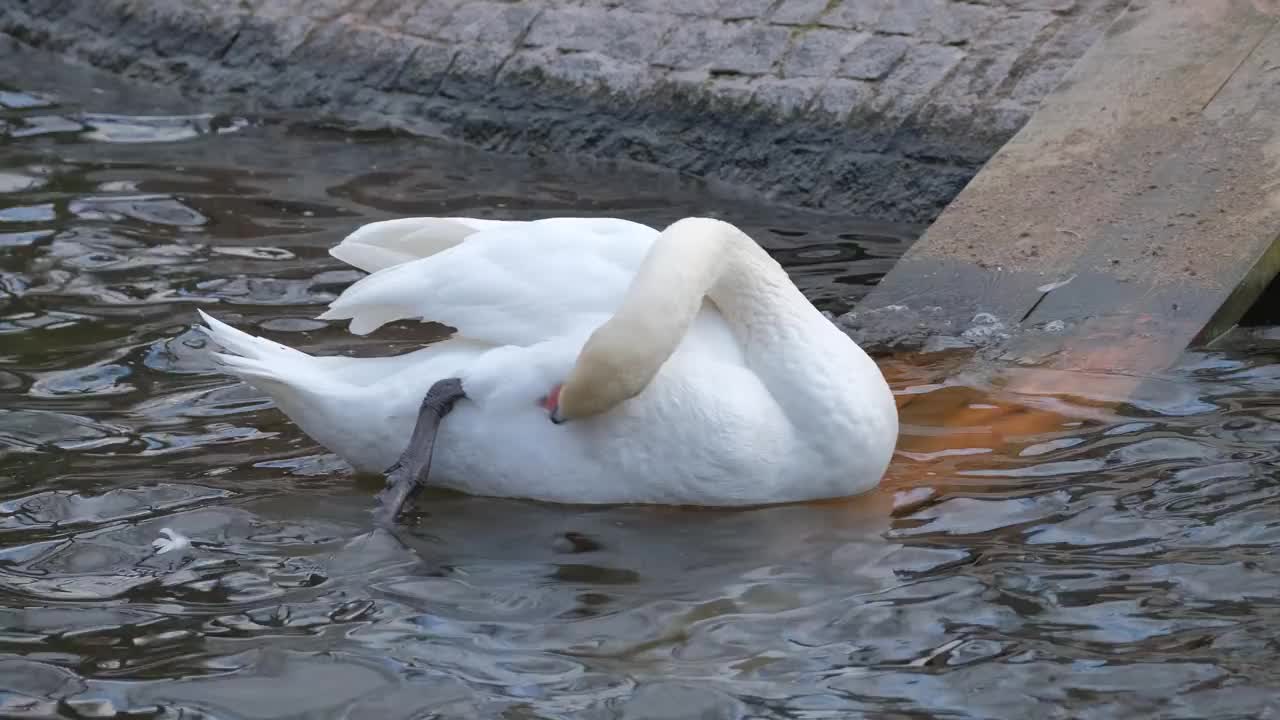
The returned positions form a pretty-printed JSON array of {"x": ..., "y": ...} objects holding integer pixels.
[{"x": 882, "y": 107}]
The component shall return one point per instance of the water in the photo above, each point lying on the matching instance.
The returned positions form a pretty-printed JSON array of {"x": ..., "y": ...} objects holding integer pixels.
[{"x": 1106, "y": 560}]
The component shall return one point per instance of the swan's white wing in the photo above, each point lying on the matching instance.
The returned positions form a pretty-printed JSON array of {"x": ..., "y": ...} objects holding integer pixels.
[
  {"x": 380, "y": 245},
  {"x": 512, "y": 283}
]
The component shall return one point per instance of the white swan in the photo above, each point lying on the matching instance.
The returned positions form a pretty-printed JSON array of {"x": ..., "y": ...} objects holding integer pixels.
[{"x": 681, "y": 367}]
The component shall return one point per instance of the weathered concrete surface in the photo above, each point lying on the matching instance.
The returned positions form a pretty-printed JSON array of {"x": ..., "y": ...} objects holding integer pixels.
[
  {"x": 883, "y": 107},
  {"x": 1148, "y": 183}
]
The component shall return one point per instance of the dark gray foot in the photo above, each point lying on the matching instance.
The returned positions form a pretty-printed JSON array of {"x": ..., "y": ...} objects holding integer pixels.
[{"x": 409, "y": 473}]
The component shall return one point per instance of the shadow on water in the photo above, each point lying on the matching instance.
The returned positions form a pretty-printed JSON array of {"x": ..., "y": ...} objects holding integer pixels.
[{"x": 1121, "y": 564}]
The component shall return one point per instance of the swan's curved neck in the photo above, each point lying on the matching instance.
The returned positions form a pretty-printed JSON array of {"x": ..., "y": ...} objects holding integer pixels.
[{"x": 692, "y": 259}]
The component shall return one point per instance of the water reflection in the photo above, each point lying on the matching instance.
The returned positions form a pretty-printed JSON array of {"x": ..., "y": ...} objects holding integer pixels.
[{"x": 1119, "y": 563}]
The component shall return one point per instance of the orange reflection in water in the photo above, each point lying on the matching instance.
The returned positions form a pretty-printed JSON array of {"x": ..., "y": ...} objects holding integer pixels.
[{"x": 955, "y": 419}]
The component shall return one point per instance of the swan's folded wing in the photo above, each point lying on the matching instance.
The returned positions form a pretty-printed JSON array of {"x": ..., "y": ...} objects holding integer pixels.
[
  {"x": 380, "y": 245},
  {"x": 514, "y": 283}
]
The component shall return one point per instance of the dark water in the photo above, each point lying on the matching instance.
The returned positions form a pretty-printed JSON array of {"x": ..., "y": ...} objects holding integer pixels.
[{"x": 1119, "y": 563}]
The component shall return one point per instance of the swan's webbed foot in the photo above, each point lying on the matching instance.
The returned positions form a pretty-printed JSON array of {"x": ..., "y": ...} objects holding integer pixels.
[{"x": 409, "y": 473}]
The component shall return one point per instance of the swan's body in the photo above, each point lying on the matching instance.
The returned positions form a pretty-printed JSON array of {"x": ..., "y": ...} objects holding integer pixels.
[{"x": 745, "y": 396}]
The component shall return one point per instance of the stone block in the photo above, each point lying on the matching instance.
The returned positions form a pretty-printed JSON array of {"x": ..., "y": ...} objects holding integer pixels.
[
  {"x": 991, "y": 60},
  {"x": 752, "y": 50},
  {"x": 698, "y": 8},
  {"x": 799, "y": 12},
  {"x": 474, "y": 66},
  {"x": 921, "y": 70},
  {"x": 694, "y": 44},
  {"x": 857, "y": 14},
  {"x": 819, "y": 52},
  {"x": 618, "y": 33},
  {"x": 595, "y": 71},
  {"x": 786, "y": 97},
  {"x": 1074, "y": 34},
  {"x": 743, "y": 9},
  {"x": 278, "y": 9},
  {"x": 1057, "y": 6},
  {"x": 1031, "y": 87},
  {"x": 839, "y": 98},
  {"x": 490, "y": 23},
  {"x": 268, "y": 41},
  {"x": 1012, "y": 35},
  {"x": 425, "y": 69},
  {"x": 182, "y": 30},
  {"x": 717, "y": 46},
  {"x": 730, "y": 93},
  {"x": 906, "y": 17},
  {"x": 367, "y": 56},
  {"x": 875, "y": 57},
  {"x": 957, "y": 23},
  {"x": 322, "y": 9},
  {"x": 424, "y": 19}
]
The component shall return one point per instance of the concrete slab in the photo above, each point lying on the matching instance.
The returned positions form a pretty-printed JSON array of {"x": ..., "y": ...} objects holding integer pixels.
[{"x": 1137, "y": 212}]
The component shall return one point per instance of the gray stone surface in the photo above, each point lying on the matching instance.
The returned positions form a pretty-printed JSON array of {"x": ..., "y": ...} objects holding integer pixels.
[{"x": 883, "y": 107}]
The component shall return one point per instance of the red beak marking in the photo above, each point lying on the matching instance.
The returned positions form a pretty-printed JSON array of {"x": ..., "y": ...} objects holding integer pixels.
[{"x": 552, "y": 399}]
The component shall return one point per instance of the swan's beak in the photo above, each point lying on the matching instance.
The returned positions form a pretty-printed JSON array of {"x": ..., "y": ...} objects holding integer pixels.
[{"x": 555, "y": 416}]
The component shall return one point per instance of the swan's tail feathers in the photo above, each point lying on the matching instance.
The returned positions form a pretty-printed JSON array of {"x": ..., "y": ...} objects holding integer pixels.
[
  {"x": 264, "y": 364},
  {"x": 380, "y": 245},
  {"x": 244, "y": 344}
]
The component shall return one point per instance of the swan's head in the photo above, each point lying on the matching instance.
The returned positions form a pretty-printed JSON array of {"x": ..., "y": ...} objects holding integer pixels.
[{"x": 609, "y": 370}]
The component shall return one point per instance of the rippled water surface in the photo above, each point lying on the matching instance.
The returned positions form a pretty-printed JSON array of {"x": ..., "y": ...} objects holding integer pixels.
[{"x": 1106, "y": 560}]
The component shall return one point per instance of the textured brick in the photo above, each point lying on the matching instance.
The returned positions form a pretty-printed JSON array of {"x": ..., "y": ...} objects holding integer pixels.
[
  {"x": 874, "y": 58},
  {"x": 819, "y": 52}
]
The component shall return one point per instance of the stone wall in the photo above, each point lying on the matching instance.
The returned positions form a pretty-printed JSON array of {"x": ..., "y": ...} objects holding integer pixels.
[{"x": 877, "y": 107}]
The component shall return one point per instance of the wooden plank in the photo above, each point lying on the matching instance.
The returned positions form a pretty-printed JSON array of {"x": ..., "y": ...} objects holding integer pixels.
[{"x": 1150, "y": 178}]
